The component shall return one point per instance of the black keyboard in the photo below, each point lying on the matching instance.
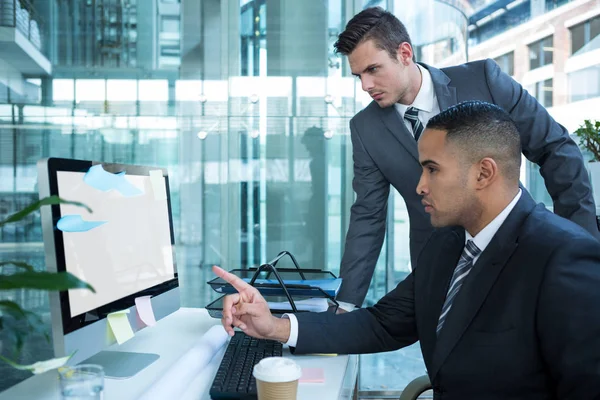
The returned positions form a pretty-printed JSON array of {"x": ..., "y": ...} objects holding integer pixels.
[{"x": 234, "y": 378}]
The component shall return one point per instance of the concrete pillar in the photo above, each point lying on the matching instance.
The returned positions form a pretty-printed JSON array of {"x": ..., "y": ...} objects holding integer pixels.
[{"x": 147, "y": 34}]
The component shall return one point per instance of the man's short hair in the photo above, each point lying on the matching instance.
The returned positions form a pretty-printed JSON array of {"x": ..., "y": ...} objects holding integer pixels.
[
  {"x": 478, "y": 130},
  {"x": 373, "y": 23}
]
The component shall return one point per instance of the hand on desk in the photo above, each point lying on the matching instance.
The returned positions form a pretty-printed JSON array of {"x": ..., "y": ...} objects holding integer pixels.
[{"x": 249, "y": 311}]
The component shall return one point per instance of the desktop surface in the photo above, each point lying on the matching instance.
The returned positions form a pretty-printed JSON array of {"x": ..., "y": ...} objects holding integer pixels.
[{"x": 171, "y": 338}]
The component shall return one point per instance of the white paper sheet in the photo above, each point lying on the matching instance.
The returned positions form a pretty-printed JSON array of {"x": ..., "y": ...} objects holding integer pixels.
[
  {"x": 175, "y": 382},
  {"x": 317, "y": 304}
]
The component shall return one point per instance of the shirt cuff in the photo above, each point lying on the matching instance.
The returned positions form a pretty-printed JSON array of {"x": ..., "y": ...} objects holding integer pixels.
[
  {"x": 346, "y": 306},
  {"x": 293, "y": 339}
]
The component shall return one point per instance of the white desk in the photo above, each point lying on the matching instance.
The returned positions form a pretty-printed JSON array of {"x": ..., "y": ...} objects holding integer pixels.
[{"x": 171, "y": 337}]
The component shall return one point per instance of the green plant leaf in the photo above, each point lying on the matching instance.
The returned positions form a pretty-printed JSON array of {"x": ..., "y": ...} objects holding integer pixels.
[
  {"x": 43, "y": 281},
  {"x": 51, "y": 200},
  {"x": 19, "y": 264},
  {"x": 40, "y": 366},
  {"x": 13, "y": 309}
]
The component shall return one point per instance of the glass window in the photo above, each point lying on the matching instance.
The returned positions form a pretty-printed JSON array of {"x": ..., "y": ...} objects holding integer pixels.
[
  {"x": 540, "y": 53},
  {"x": 585, "y": 36},
  {"x": 507, "y": 63},
  {"x": 90, "y": 90},
  {"x": 594, "y": 28},
  {"x": 170, "y": 24},
  {"x": 546, "y": 93},
  {"x": 121, "y": 90},
  {"x": 63, "y": 89},
  {"x": 543, "y": 92},
  {"x": 154, "y": 90},
  {"x": 584, "y": 84},
  {"x": 577, "y": 37}
]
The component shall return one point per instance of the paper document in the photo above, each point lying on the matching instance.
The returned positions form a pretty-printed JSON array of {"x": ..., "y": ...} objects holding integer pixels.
[
  {"x": 318, "y": 304},
  {"x": 119, "y": 324},
  {"x": 144, "y": 309}
]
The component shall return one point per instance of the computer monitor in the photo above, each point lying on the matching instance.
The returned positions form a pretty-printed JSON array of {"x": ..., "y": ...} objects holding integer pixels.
[{"x": 124, "y": 249}]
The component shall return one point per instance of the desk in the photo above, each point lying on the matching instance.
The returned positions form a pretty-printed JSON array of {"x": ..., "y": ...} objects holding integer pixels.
[{"x": 171, "y": 337}]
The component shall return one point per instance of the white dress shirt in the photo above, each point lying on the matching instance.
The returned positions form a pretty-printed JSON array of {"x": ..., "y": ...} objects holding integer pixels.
[
  {"x": 482, "y": 239},
  {"x": 426, "y": 101},
  {"x": 485, "y": 236}
]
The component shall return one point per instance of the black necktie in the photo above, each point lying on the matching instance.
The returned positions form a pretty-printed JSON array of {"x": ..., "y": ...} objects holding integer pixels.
[
  {"x": 412, "y": 116},
  {"x": 464, "y": 266}
]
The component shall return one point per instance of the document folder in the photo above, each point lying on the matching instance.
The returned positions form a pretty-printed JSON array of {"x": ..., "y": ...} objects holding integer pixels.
[{"x": 282, "y": 287}]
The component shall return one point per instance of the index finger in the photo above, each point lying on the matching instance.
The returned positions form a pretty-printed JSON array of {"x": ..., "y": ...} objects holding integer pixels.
[{"x": 235, "y": 281}]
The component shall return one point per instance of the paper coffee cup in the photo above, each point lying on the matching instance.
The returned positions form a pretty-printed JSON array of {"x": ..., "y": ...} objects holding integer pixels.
[{"x": 277, "y": 378}]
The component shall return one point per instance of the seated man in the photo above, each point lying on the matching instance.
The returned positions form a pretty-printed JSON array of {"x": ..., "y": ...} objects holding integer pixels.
[{"x": 504, "y": 296}]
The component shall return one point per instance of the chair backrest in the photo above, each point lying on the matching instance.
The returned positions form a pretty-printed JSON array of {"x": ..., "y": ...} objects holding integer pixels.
[{"x": 415, "y": 388}]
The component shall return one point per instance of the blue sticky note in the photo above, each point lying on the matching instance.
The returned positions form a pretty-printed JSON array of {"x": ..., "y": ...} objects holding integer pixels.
[
  {"x": 99, "y": 179},
  {"x": 74, "y": 223}
]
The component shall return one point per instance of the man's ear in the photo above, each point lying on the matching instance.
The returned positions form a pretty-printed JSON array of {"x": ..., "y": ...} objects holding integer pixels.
[
  {"x": 404, "y": 53},
  {"x": 487, "y": 172}
]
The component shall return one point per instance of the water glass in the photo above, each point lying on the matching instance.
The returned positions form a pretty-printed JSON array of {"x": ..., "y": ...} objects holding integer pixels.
[{"x": 81, "y": 382}]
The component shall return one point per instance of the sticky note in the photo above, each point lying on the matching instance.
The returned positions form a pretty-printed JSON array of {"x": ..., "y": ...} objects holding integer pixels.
[
  {"x": 145, "y": 311},
  {"x": 74, "y": 223},
  {"x": 158, "y": 184},
  {"x": 100, "y": 179},
  {"x": 312, "y": 375},
  {"x": 119, "y": 324}
]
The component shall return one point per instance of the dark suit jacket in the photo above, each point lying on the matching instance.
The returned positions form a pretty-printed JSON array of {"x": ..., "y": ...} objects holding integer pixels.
[
  {"x": 525, "y": 324},
  {"x": 385, "y": 153}
]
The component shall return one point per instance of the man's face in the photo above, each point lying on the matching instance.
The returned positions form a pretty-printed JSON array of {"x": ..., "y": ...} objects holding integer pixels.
[
  {"x": 384, "y": 78},
  {"x": 446, "y": 185}
]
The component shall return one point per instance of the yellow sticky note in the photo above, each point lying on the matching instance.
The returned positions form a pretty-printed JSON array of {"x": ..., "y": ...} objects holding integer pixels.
[
  {"x": 119, "y": 324},
  {"x": 158, "y": 184}
]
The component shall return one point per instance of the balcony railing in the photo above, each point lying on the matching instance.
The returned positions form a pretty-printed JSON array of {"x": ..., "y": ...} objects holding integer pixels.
[{"x": 21, "y": 14}]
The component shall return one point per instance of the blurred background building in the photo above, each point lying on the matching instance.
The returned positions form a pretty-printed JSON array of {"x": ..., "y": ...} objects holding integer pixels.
[{"x": 246, "y": 104}]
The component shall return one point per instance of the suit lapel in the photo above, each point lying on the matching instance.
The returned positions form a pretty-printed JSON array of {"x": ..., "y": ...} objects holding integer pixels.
[
  {"x": 449, "y": 250},
  {"x": 394, "y": 124},
  {"x": 446, "y": 94},
  {"x": 480, "y": 281}
]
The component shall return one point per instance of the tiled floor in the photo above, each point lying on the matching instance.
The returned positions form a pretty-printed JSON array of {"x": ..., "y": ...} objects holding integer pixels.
[{"x": 381, "y": 372}]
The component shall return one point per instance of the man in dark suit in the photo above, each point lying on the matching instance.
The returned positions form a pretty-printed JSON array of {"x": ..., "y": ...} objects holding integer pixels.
[
  {"x": 406, "y": 94},
  {"x": 504, "y": 296}
]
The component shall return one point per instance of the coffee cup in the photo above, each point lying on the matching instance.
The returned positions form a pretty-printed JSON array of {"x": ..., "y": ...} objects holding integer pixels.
[{"x": 277, "y": 378}]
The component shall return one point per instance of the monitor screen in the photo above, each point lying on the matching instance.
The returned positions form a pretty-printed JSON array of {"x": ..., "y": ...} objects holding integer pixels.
[
  {"x": 124, "y": 248},
  {"x": 121, "y": 248}
]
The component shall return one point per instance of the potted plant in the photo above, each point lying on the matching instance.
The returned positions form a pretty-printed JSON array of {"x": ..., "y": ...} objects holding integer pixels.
[
  {"x": 16, "y": 323},
  {"x": 589, "y": 138}
]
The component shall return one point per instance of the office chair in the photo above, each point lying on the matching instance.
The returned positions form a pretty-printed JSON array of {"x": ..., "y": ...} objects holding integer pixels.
[{"x": 415, "y": 388}]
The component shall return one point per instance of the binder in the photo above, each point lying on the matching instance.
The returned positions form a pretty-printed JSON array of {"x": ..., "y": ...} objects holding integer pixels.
[{"x": 279, "y": 288}]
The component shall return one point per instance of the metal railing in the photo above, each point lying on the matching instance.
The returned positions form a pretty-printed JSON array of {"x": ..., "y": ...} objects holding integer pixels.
[{"x": 21, "y": 14}]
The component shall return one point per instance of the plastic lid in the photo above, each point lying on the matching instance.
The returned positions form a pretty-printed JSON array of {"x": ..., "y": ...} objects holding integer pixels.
[{"x": 277, "y": 369}]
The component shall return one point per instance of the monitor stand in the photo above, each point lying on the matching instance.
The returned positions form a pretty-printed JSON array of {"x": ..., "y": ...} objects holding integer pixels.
[{"x": 121, "y": 364}]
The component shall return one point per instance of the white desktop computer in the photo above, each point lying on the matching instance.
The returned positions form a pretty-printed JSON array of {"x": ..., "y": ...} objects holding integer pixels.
[{"x": 125, "y": 249}]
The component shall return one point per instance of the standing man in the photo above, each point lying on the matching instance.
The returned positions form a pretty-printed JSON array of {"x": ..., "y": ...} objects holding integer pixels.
[{"x": 384, "y": 136}]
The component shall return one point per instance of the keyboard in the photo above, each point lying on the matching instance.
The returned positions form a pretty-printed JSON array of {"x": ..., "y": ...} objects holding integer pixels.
[{"x": 234, "y": 378}]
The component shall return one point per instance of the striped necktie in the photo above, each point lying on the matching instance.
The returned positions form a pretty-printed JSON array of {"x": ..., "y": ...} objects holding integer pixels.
[
  {"x": 465, "y": 264},
  {"x": 412, "y": 116}
]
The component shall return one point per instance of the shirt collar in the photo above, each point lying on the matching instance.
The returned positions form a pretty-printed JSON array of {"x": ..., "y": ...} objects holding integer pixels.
[
  {"x": 425, "y": 98},
  {"x": 483, "y": 238}
]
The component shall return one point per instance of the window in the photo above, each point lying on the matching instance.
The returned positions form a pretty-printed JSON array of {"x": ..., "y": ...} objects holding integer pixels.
[
  {"x": 170, "y": 24},
  {"x": 543, "y": 92},
  {"x": 540, "y": 53},
  {"x": 584, "y": 84},
  {"x": 507, "y": 63},
  {"x": 585, "y": 36}
]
